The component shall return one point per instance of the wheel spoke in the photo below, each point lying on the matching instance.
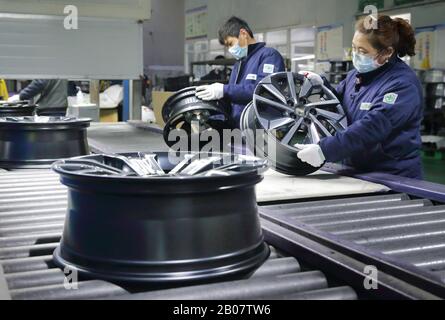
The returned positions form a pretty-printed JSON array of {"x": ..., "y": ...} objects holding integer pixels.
[
  {"x": 275, "y": 92},
  {"x": 277, "y": 105},
  {"x": 306, "y": 89},
  {"x": 313, "y": 134},
  {"x": 329, "y": 115},
  {"x": 291, "y": 133},
  {"x": 323, "y": 129},
  {"x": 321, "y": 104},
  {"x": 292, "y": 88},
  {"x": 278, "y": 123}
]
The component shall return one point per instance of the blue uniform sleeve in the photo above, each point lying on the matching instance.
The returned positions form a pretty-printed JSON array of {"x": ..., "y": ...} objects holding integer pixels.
[
  {"x": 340, "y": 90},
  {"x": 393, "y": 110},
  {"x": 34, "y": 88},
  {"x": 243, "y": 93}
]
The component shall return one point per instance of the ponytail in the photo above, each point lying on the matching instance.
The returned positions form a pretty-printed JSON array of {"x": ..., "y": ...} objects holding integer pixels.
[
  {"x": 407, "y": 38},
  {"x": 396, "y": 33}
]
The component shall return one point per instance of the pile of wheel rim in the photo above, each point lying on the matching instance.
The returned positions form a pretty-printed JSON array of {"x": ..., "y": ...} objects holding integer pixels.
[
  {"x": 186, "y": 112},
  {"x": 36, "y": 142},
  {"x": 17, "y": 109},
  {"x": 289, "y": 109}
]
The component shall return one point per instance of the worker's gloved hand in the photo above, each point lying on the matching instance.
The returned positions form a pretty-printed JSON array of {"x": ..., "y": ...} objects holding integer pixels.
[
  {"x": 212, "y": 92},
  {"x": 314, "y": 78},
  {"x": 14, "y": 98},
  {"x": 311, "y": 154}
]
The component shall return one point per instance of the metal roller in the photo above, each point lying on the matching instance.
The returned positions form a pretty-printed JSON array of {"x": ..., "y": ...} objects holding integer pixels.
[
  {"x": 278, "y": 267},
  {"x": 410, "y": 244},
  {"x": 37, "y": 193},
  {"x": 387, "y": 224},
  {"x": 27, "y": 251},
  {"x": 383, "y": 215},
  {"x": 258, "y": 288},
  {"x": 340, "y": 202},
  {"x": 337, "y": 213},
  {"x": 7, "y": 207},
  {"x": 32, "y": 213},
  {"x": 43, "y": 184},
  {"x": 35, "y": 279},
  {"x": 18, "y": 231},
  {"x": 28, "y": 264},
  {"x": 36, "y": 199},
  {"x": 394, "y": 234},
  {"x": 423, "y": 257},
  {"x": 364, "y": 214},
  {"x": 86, "y": 290},
  {"x": 342, "y": 293},
  {"x": 35, "y": 221},
  {"x": 29, "y": 240}
]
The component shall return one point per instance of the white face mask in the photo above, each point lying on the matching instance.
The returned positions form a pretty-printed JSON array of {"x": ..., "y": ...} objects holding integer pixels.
[
  {"x": 238, "y": 52},
  {"x": 364, "y": 63}
]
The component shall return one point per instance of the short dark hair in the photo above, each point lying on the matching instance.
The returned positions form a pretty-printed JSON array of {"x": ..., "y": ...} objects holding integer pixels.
[{"x": 232, "y": 28}]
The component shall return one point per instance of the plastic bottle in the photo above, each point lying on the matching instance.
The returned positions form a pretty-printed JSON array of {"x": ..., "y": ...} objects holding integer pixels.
[{"x": 79, "y": 96}]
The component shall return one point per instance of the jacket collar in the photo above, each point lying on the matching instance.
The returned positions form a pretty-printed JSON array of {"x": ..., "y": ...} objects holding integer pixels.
[{"x": 252, "y": 49}]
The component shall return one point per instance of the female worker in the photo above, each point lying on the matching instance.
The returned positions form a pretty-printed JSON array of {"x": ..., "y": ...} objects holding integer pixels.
[{"x": 384, "y": 104}]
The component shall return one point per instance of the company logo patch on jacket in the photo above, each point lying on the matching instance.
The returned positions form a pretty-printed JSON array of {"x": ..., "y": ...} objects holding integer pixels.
[
  {"x": 252, "y": 76},
  {"x": 268, "y": 68},
  {"x": 366, "y": 106},
  {"x": 390, "y": 98}
]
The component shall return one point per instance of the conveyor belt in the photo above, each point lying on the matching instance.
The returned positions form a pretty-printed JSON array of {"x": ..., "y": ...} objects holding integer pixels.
[
  {"x": 408, "y": 234},
  {"x": 135, "y": 137},
  {"x": 32, "y": 211},
  {"x": 124, "y": 138}
]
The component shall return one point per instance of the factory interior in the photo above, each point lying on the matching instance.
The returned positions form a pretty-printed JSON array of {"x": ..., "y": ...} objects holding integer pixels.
[{"x": 209, "y": 150}]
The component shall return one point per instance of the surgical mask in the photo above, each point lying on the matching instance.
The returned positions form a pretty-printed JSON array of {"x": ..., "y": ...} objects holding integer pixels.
[
  {"x": 364, "y": 63},
  {"x": 238, "y": 52}
]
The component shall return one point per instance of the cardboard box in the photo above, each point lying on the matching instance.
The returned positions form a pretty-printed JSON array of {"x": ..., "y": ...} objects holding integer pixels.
[
  {"x": 109, "y": 115},
  {"x": 159, "y": 99}
]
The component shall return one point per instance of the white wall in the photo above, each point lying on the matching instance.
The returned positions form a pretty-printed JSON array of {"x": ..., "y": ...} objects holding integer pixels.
[
  {"x": 164, "y": 34},
  {"x": 122, "y": 9},
  {"x": 272, "y": 14}
]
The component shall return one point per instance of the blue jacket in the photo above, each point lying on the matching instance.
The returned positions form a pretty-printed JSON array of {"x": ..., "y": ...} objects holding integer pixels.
[
  {"x": 384, "y": 110},
  {"x": 247, "y": 73}
]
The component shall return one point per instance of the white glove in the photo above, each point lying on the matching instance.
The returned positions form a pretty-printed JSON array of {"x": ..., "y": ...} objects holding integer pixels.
[
  {"x": 311, "y": 154},
  {"x": 15, "y": 98},
  {"x": 314, "y": 78},
  {"x": 212, "y": 92}
]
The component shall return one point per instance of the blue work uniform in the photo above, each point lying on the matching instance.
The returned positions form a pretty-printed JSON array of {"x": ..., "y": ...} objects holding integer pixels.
[
  {"x": 247, "y": 73},
  {"x": 385, "y": 110}
]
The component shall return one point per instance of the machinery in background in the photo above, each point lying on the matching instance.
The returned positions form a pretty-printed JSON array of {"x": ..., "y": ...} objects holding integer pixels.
[{"x": 338, "y": 71}]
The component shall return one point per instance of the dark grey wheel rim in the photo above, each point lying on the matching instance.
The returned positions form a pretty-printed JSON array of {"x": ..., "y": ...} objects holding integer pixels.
[{"x": 291, "y": 110}]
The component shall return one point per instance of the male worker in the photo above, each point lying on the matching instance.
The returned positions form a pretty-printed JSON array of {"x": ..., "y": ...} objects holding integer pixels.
[
  {"x": 255, "y": 62},
  {"x": 51, "y": 96}
]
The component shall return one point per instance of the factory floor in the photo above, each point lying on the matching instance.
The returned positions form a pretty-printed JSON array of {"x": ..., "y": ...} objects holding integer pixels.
[{"x": 434, "y": 168}]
